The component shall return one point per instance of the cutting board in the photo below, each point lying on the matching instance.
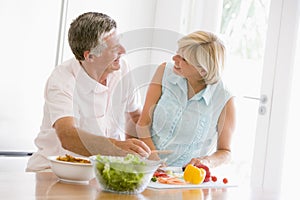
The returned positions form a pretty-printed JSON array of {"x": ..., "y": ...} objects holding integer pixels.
[
  {"x": 178, "y": 171},
  {"x": 210, "y": 184}
]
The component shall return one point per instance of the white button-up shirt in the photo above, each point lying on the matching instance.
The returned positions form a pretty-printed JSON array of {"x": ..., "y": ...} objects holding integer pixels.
[{"x": 97, "y": 109}]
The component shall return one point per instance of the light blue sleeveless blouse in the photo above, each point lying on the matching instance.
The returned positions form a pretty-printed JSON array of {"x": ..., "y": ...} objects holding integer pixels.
[{"x": 188, "y": 127}]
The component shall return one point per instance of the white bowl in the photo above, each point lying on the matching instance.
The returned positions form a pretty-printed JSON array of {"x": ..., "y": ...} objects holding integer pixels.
[{"x": 71, "y": 171}]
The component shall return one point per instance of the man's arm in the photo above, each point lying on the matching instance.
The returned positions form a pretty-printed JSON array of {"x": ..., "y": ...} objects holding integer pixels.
[{"x": 87, "y": 144}]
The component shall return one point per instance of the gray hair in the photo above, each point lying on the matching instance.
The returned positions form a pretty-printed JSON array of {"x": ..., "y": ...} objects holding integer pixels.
[{"x": 87, "y": 31}]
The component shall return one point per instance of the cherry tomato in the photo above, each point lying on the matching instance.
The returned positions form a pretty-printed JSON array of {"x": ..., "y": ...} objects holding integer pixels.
[{"x": 214, "y": 178}]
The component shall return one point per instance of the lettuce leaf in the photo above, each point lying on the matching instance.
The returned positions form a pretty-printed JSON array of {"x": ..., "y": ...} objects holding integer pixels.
[{"x": 120, "y": 174}]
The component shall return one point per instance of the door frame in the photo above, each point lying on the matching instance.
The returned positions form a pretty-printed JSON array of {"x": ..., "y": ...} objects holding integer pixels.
[{"x": 276, "y": 86}]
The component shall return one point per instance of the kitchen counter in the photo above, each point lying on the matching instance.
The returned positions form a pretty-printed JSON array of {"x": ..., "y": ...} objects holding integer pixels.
[
  {"x": 16, "y": 184},
  {"x": 45, "y": 185}
]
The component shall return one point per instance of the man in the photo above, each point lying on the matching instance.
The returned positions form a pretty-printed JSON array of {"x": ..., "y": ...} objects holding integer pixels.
[{"x": 89, "y": 98}]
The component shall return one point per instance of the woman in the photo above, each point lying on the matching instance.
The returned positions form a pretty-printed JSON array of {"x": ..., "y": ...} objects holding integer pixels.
[{"x": 188, "y": 110}]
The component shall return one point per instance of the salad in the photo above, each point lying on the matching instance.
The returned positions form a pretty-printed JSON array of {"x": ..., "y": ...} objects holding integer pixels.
[{"x": 123, "y": 174}]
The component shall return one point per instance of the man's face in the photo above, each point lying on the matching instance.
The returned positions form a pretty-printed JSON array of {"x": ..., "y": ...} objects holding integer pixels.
[{"x": 110, "y": 57}]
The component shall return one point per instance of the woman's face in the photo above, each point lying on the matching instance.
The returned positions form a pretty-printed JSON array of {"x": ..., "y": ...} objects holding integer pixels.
[{"x": 184, "y": 69}]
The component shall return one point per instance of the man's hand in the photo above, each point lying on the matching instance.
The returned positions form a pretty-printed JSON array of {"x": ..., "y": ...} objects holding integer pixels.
[{"x": 134, "y": 146}]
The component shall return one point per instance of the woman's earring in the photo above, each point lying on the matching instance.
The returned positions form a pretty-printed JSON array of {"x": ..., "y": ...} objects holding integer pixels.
[{"x": 203, "y": 72}]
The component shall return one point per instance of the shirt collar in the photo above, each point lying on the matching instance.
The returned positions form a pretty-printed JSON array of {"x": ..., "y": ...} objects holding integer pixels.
[
  {"x": 205, "y": 94},
  {"x": 208, "y": 93},
  {"x": 177, "y": 80},
  {"x": 88, "y": 84}
]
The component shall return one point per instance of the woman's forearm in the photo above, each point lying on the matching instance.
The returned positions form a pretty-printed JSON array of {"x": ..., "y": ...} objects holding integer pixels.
[{"x": 217, "y": 158}]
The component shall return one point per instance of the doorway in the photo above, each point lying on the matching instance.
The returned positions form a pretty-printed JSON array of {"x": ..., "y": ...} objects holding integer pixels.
[{"x": 244, "y": 27}]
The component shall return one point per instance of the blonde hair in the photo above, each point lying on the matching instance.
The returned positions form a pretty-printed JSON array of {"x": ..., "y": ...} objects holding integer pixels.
[{"x": 205, "y": 50}]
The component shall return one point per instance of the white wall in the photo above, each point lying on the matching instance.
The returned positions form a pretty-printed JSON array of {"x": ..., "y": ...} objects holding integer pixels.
[{"x": 28, "y": 39}]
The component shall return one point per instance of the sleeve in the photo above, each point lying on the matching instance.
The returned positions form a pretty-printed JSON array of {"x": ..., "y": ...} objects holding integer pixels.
[{"x": 59, "y": 98}]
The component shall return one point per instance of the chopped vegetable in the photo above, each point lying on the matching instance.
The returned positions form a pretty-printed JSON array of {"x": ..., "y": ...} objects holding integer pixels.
[
  {"x": 160, "y": 174},
  {"x": 153, "y": 179},
  {"x": 206, "y": 168},
  {"x": 194, "y": 175},
  {"x": 170, "y": 180},
  {"x": 170, "y": 172},
  {"x": 118, "y": 174}
]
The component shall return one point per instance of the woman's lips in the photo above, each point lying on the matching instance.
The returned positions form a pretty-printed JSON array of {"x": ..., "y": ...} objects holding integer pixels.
[{"x": 176, "y": 67}]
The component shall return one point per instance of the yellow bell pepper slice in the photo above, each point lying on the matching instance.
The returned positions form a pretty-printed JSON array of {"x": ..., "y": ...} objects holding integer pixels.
[{"x": 193, "y": 174}]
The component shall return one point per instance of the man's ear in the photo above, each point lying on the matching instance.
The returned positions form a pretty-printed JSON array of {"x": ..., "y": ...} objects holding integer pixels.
[{"x": 87, "y": 56}]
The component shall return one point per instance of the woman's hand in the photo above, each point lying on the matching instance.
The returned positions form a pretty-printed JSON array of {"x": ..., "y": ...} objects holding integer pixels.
[
  {"x": 201, "y": 160},
  {"x": 214, "y": 160}
]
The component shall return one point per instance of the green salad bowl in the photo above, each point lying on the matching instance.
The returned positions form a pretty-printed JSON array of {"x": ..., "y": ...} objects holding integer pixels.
[{"x": 126, "y": 175}]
